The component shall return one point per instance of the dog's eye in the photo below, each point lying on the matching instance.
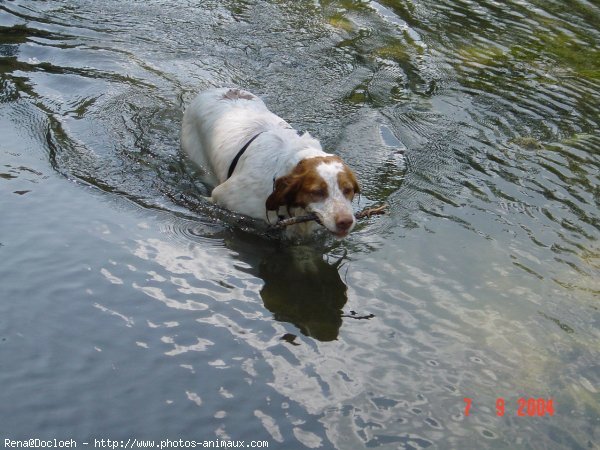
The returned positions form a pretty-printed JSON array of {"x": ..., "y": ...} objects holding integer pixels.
[
  {"x": 318, "y": 193},
  {"x": 348, "y": 191}
]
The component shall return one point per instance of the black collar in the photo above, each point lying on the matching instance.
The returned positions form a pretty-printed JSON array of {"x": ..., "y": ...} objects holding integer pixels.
[{"x": 239, "y": 155}]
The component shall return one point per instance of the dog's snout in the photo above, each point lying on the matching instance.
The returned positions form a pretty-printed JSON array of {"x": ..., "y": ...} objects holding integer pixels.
[{"x": 343, "y": 223}]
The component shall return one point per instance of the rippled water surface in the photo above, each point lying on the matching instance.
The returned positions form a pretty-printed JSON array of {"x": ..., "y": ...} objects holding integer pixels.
[{"x": 126, "y": 312}]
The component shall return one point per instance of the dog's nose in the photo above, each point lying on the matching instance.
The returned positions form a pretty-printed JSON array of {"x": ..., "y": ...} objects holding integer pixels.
[{"x": 344, "y": 223}]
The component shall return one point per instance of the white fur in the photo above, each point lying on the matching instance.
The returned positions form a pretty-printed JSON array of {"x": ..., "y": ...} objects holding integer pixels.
[{"x": 215, "y": 127}]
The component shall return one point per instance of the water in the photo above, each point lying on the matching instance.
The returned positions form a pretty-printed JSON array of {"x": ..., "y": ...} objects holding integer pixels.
[{"x": 126, "y": 312}]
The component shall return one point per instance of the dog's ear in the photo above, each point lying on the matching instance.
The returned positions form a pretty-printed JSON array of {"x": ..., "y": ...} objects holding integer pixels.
[
  {"x": 349, "y": 177},
  {"x": 284, "y": 191},
  {"x": 355, "y": 185}
]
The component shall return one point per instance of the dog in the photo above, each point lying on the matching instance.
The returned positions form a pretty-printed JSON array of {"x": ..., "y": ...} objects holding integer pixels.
[{"x": 259, "y": 166}]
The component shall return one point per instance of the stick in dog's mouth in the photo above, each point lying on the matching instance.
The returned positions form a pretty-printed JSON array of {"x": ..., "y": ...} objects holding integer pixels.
[{"x": 367, "y": 212}]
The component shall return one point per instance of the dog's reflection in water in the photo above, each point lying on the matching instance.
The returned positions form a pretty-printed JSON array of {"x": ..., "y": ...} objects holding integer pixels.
[
  {"x": 302, "y": 285},
  {"x": 305, "y": 290}
]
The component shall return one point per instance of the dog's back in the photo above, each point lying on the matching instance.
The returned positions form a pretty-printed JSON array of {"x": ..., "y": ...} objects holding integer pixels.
[{"x": 217, "y": 124}]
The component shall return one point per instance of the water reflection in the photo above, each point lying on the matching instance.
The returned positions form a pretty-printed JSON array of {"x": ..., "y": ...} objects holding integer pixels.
[
  {"x": 303, "y": 289},
  {"x": 301, "y": 286}
]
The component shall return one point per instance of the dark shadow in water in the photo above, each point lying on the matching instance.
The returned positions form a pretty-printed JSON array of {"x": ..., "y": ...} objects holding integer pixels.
[{"x": 301, "y": 287}]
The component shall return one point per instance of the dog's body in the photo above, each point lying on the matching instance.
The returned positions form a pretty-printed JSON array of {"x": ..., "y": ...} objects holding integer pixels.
[{"x": 262, "y": 167}]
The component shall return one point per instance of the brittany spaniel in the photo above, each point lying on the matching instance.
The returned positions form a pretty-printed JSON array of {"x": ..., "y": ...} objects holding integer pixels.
[{"x": 261, "y": 167}]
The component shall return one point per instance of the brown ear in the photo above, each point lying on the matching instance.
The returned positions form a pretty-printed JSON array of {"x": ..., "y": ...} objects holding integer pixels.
[
  {"x": 355, "y": 184},
  {"x": 352, "y": 179},
  {"x": 283, "y": 192}
]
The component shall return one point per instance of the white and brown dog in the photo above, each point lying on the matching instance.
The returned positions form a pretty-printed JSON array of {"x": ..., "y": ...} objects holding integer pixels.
[{"x": 261, "y": 167}]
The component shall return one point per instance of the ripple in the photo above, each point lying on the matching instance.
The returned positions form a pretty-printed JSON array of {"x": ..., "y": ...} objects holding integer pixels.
[{"x": 270, "y": 425}]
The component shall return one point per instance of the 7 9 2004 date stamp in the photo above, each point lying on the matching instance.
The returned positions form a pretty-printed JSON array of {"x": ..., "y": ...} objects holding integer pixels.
[{"x": 522, "y": 407}]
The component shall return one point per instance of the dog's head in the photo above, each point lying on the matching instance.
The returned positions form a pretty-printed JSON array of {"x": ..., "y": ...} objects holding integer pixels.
[{"x": 323, "y": 185}]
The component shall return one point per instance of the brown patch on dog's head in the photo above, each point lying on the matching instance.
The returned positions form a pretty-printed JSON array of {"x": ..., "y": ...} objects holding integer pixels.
[
  {"x": 348, "y": 183},
  {"x": 303, "y": 185}
]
